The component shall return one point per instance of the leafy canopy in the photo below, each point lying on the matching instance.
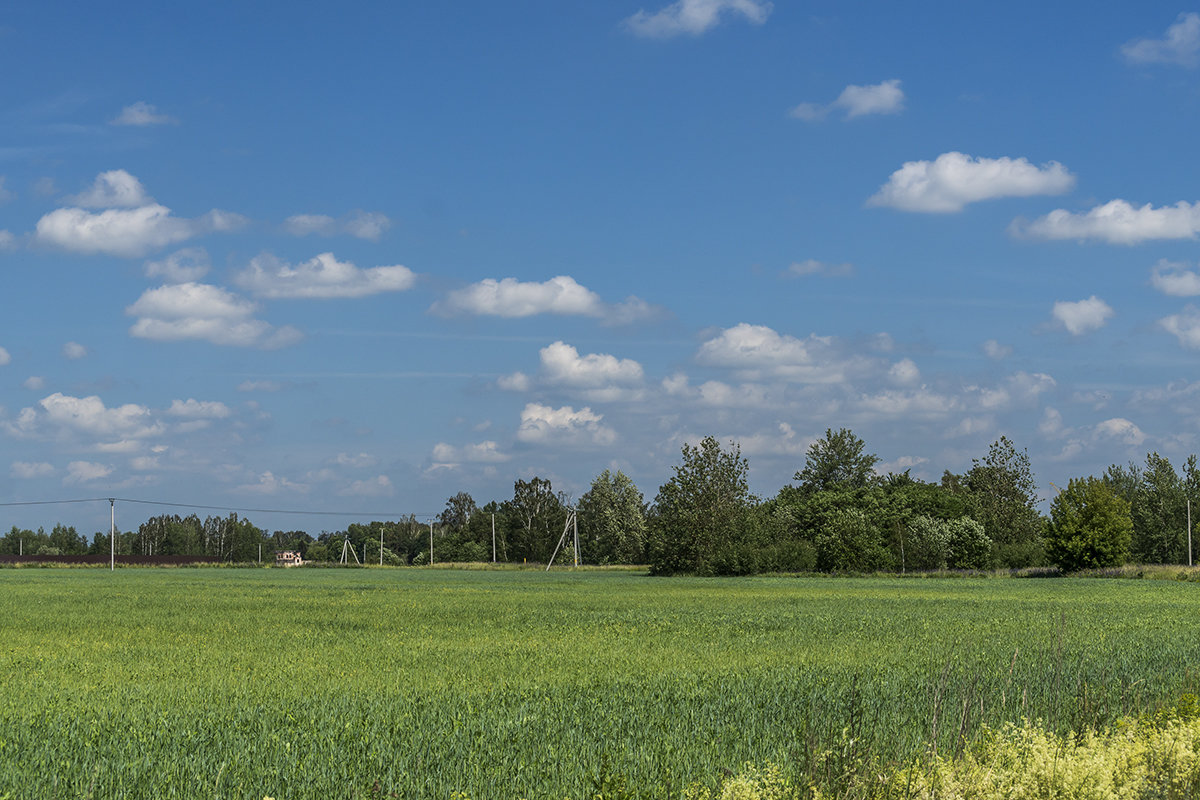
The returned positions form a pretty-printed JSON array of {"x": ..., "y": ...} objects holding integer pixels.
[
  {"x": 837, "y": 461},
  {"x": 1090, "y": 526}
]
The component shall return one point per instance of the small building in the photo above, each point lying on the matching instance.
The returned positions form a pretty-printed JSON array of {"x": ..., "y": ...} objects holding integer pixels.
[{"x": 288, "y": 558}]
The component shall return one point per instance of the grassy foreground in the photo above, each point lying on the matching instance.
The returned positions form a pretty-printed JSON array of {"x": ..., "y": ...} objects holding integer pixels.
[{"x": 252, "y": 683}]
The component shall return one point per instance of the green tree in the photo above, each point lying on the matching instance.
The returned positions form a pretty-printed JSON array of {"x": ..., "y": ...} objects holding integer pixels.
[
  {"x": 837, "y": 461},
  {"x": 1002, "y": 497},
  {"x": 703, "y": 520},
  {"x": 458, "y": 511},
  {"x": 1124, "y": 481},
  {"x": 967, "y": 544},
  {"x": 1090, "y": 526},
  {"x": 535, "y": 517},
  {"x": 66, "y": 541},
  {"x": 16, "y": 541},
  {"x": 1159, "y": 514},
  {"x": 612, "y": 523}
]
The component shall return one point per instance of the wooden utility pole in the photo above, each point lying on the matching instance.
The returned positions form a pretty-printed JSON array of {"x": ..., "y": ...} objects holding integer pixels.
[
  {"x": 1189, "y": 507},
  {"x": 571, "y": 522}
]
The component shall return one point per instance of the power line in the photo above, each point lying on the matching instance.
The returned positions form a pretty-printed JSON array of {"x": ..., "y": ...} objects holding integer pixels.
[
  {"x": 301, "y": 512},
  {"x": 55, "y": 502}
]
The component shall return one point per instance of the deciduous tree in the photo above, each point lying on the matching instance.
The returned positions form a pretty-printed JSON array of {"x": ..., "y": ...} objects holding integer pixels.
[
  {"x": 1090, "y": 526},
  {"x": 837, "y": 461},
  {"x": 1003, "y": 496},
  {"x": 612, "y": 524},
  {"x": 703, "y": 521}
]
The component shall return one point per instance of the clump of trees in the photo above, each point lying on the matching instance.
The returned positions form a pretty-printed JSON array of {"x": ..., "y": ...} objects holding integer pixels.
[{"x": 841, "y": 516}]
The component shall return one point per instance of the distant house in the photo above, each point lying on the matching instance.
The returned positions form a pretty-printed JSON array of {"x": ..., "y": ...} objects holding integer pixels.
[{"x": 288, "y": 558}]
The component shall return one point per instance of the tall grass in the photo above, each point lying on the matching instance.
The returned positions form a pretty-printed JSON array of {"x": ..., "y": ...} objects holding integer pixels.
[{"x": 507, "y": 684}]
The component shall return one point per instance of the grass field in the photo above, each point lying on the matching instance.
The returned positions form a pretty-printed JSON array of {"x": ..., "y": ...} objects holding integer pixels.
[{"x": 252, "y": 683}]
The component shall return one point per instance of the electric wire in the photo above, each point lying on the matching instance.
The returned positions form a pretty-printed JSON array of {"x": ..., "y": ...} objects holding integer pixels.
[{"x": 236, "y": 509}]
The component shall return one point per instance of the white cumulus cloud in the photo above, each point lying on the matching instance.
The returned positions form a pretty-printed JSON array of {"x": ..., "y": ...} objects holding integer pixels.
[
  {"x": 857, "y": 101},
  {"x": 516, "y": 382},
  {"x": 60, "y": 414},
  {"x": 1052, "y": 422},
  {"x": 130, "y": 233},
  {"x": 904, "y": 372},
  {"x": 379, "y": 486},
  {"x": 755, "y": 350},
  {"x": 182, "y": 266},
  {"x": 782, "y": 441},
  {"x": 199, "y": 409},
  {"x": 5, "y": 358},
  {"x": 7, "y": 240},
  {"x": 487, "y": 452},
  {"x": 1115, "y": 222},
  {"x": 1082, "y": 316},
  {"x": 952, "y": 180},
  {"x": 1175, "y": 279},
  {"x": 141, "y": 114},
  {"x": 113, "y": 189},
  {"x": 694, "y": 17},
  {"x": 30, "y": 469},
  {"x": 881, "y": 98},
  {"x": 74, "y": 351},
  {"x": 1121, "y": 430},
  {"x": 131, "y": 224},
  {"x": 1180, "y": 45},
  {"x": 996, "y": 351},
  {"x": 321, "y": 277},
  {"x": 562, "y": 364},
  {"x": 269, "y": 483},
  {"x": 724, "y": 395},
  {"x": 542, "y": 424},
  {"x": 86, "y": 471},
  {"x": 209, "y": 313},
  {"x": 355, "y": 461},
  {"x": 560, "y": 295},
  {"x": 370, "y": 225},
  {"x": 1184, "y": 326}
]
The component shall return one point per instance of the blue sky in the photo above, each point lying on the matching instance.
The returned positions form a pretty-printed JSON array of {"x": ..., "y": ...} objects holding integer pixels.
[{"x": 361, "y": 257}]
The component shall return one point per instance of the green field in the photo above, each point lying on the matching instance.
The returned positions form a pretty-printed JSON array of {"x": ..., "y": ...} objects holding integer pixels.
[{"x": 252, "y": 683}]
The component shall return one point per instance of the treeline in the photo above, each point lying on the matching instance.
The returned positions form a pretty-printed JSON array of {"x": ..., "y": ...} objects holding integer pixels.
[
  {"x": 839, "y": 515},
  {"x": 226, "y": 538}
]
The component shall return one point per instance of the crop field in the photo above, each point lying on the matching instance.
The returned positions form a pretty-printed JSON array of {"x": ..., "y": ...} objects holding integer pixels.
[{"x": 360, "y": 683}]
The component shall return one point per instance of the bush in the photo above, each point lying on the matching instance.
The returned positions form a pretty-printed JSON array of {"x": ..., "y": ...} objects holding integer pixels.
[{"x": 850, "y": 542}]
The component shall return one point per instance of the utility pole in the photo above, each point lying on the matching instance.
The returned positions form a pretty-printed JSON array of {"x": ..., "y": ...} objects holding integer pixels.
[
  {"x": 381, "y": 545},
  {"x": 493, "y": 538},
  {"x": 431, "y": 543},
  {"x": 112, "y": 534},
  {"x": 571, "y": 521}
]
